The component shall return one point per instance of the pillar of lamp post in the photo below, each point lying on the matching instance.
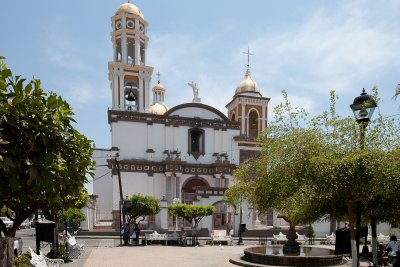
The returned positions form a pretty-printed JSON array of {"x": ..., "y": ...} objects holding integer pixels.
[
  {"x": 240, "y": 241},
  {"x": 363, "y": 107}
]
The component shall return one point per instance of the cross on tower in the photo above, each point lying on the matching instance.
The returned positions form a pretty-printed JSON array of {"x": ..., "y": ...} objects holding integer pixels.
[
  {"x": 158, "y": 75},
  {"x": 248, "y": 56}
]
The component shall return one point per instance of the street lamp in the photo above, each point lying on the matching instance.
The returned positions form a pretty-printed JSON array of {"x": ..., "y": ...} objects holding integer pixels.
[
  {"x": 176, "y": 201},
  {"x": 363, "y": 107}
]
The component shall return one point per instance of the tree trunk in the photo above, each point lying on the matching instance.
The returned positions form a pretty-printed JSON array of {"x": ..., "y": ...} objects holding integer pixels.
[
  {"x": 193, "y": 232},
  {"x": 351, "y": 209},
  {"x": 374, "y": 242},
  {"x": 6, "y": 251}
]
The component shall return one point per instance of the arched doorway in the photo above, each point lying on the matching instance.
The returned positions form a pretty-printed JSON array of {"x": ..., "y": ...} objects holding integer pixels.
[
  {"x": 223, "y": 218},
  {"x": 189, "y": 189},
  {"x": 253, "y": 124}
]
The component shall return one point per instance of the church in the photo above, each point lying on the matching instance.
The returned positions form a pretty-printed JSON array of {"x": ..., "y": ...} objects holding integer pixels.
[{"x": 181, "y": 154}]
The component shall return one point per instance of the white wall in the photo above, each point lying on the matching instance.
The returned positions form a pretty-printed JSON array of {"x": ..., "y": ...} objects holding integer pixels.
[
  {"x": 134, "y": 138},
  {"x": 103, "y": 183}
]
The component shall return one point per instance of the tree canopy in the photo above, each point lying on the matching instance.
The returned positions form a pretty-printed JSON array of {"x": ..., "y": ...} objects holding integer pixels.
[
  {"x": 311, "y": 167},
  {"x": 137, "y": 207},
  {"x": 44, "y": 160},
  {"x": 191, "y": 213}
]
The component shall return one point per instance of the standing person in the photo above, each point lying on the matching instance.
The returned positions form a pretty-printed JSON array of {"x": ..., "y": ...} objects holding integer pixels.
[
  {"x": 228, "y": 228},
  {"x": 137, "y": 233},
  {"x": 125, "y": 234},
  {"x": 392, "y": 246}
]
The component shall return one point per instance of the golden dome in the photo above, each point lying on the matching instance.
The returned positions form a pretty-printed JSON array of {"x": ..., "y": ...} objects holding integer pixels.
[
  {"x": 248, "y": 85},
  {"x": 129, "y": 8},
  {"x": 158, "y": 87},
  {"x": 158, "y": 108}
]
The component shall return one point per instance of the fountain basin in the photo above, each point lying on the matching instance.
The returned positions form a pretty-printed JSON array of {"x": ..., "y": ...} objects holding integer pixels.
[{"x": 307, "y": 256}]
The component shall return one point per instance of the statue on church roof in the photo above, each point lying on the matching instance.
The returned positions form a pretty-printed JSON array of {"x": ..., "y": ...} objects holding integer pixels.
[{"x": 195, "y": 92}]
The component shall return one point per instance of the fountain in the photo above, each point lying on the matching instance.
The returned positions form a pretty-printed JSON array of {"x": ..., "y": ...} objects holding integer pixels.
[{"x": 290, "y": 254}]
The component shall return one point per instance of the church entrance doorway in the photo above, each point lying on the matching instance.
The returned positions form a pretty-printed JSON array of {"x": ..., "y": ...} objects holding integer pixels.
[
  {"x": 223, "y": 218},
  {"x": 189, "y": 189}
]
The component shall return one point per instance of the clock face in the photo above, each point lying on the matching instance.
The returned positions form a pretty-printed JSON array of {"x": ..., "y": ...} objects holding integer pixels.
[
  {"x": 141, "y": 28},
  {"x": 130, "y": 24},
  {"x": 118, "y": 25}
]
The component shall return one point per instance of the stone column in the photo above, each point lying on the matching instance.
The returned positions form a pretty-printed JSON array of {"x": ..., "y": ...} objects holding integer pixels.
[
  {"x": 168, "y": 187},
  {"x": 124, "y": 48},
  {"x": 121, "y": 91},
  {"x": 146, "y": 93},
  {"x": 217, "y": 179},
  {"x": 137, "y": 49},
  {"x": 242, "y": 128},
  {"x": 276, "y": 222},
  {"x": 141, "y": 96},
  {"x": 178, "y": 185},
  {"x": 264, "y": 106},
  {"x": 164, "y": 213}
]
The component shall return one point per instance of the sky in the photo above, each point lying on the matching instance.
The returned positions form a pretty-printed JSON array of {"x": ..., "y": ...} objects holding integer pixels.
[{"x": 304, "y": 47}]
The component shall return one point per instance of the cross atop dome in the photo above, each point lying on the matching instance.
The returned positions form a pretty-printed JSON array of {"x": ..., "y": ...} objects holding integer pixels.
[{"x": 248, "y": 57}]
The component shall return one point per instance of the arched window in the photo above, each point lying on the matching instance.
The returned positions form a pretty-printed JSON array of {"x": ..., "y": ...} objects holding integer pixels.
[
  {"x": 118, "y": 51},
  {"x": 142, "y": 54},
  {"x": 253, "y": 124},
  {"x": 131, "y": 51},
  {"x": 196, "y": 138},
  {"x": 233, "y": 117}
]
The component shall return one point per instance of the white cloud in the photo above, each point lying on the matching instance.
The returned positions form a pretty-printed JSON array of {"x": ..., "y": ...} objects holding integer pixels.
[
  {"x": 80, "y": 94},
  {"x": 338, "y": 50}
]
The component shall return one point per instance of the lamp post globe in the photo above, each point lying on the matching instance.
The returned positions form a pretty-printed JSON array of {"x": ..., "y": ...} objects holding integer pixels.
[{"x": 363, "y": 107}]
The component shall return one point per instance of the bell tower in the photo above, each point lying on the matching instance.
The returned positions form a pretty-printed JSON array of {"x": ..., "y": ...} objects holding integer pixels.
[
  {"x": 248, "y": 106},
  {"x": 128, "y": 73}
]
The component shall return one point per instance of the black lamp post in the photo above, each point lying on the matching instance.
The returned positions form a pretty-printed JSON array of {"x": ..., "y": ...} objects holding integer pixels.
[{"x": 363, "y": 107}]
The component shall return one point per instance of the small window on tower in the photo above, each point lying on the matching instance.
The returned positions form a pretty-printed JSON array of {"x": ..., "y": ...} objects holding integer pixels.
[
  {"x": 196, "y": 142},
  {"x": 130, "y": 24}
]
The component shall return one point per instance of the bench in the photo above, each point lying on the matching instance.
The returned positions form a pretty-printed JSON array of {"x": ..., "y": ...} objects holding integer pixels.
[
  {"x": 162, "y": 237},
  {"x": 75, "y": 250},
  {"x": 331, "y": 239},
  {"x": 220, "y": 235},
  {"x": 301, "y": 238},
  {"x": 42, "y": 261},
  {"x": 383, "y": 239},
  {"x": 279, "y": 237}
]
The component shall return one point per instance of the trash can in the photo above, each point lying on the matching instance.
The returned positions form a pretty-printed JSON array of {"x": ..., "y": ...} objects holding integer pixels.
[
  {"x": 45, "y": 231},
  {"x": 342, "y": 244},
  {"x": 243, "y": 227}
]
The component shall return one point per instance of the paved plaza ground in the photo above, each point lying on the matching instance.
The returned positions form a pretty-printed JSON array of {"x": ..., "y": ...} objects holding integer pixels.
[{"x": 106, "y": 252}]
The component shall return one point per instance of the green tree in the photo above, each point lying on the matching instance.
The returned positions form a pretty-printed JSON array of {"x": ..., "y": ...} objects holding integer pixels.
[
  {"x": 315, "y": 167},
  {"x": 137, "y": 207},
  {"x": 43, "y": 158},
  {"x": 191, "y": 213},
  {"x": 72, "y": 215}
]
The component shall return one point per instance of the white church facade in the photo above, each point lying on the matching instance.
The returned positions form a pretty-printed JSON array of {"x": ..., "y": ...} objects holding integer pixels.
[{"x": 185, "y": 153}]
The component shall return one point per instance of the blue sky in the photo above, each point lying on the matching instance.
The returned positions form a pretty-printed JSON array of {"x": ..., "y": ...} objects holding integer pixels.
[{"x": 304, "y": 47}]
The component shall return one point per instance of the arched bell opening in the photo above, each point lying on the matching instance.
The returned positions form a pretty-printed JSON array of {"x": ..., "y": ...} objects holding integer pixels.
[
  {"x": 253, "y": 124},
  {"x": 131, "y": 96}
]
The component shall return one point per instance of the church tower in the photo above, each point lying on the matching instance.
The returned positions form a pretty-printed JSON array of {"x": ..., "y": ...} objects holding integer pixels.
[
  {"x": 128, "y": 73},
  {"x": 249, "y": 107}
]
